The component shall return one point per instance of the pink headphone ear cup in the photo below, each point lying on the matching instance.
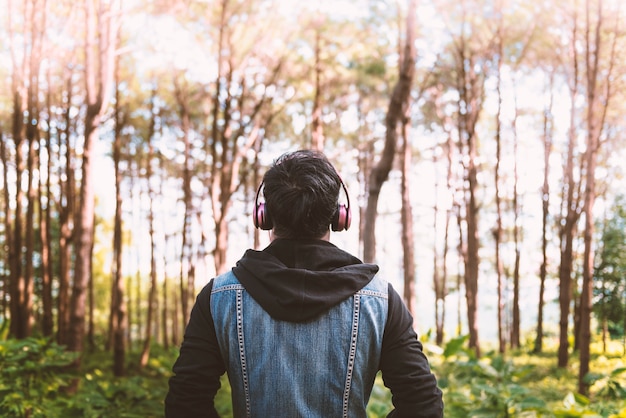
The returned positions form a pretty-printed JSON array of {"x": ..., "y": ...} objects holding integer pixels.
[
  {"x": 342, "y": 219},
  {"x": 261, "y": 218}
]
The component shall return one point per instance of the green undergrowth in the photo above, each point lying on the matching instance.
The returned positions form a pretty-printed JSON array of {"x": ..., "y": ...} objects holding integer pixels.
[{"x": 36, "y": 381}]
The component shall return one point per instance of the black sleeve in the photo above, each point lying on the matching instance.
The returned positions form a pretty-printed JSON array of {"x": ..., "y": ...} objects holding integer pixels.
[
  {"x": 199, "y": 366},
  {"x": 405, "y": 368}
]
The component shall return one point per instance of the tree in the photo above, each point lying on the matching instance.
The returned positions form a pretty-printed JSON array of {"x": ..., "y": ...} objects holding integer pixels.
[
  {"x": 545, "y": 211},
  {"x": 397, "y": 104},
  {"x": 118, "y": 301},
  {"x": 469, "y": 56},
  {"x": 101, "y": 28},
  {"x": 598, "y": 70},
  {"x": 152, "y": 296},
  {"x": 570, "y": 206},
  {"x": 609, "y": 293}
]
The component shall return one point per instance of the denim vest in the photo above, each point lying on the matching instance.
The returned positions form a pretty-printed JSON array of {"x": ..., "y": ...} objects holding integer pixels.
[{"x": 323, "y": 368}]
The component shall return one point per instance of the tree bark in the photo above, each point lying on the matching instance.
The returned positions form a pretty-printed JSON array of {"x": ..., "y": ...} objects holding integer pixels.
[
  {"x": 571, "y": 213},
  {"x": 545, "y": 213},
  {"x": 45, "y": 209},
  {"x": 380, "y": 171},
  {"x": 66, "y": 220},
  {"x": 118, "y": 297},
  {"x": 515, "y": 308},
  {"x": 408, "y": 240},
  {"x": 152, "y": 296},
  {"x": 8, "y": 228},
  {"x": 497, "y": 233},
  {"x": 597, "y": 105},
  {"x": 98, "y": 78}
]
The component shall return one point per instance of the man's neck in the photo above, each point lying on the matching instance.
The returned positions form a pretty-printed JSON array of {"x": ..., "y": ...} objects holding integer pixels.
[{"x": 325, "y": 237}]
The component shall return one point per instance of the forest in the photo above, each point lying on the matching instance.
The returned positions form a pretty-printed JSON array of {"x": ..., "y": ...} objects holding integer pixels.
[{"x": 481, "y": 143}]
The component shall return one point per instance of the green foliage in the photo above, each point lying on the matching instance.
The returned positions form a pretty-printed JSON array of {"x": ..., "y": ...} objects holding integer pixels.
[
  {"x": 32, "y": 371},
  {"x": 526, "y": 385},
  {"x": 612, "y": 384},
  {"x": 102, "y": 395},
  {"x": 575, "y": 405},
  {"x": 610, "y": 270},
  {"x": 35, "y": 378},
  {"x": 489, "y": 387},
  {"x": 34, "y": 382},
  {"x": 380, "y": 400}
]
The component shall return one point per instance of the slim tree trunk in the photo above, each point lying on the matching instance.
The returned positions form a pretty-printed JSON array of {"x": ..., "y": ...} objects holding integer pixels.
[
  {"x": 545, "y": 213},
  {"x": 515, "y": 326},
  {"x": 186, "y": 291},
  {"x": 45, "y": 209},
  {"x": 597, "y": 105},
  {"x": 152, "y": 296},
  {"x": 16, "y": 278},
  {"x": 408, "y": 240},
  {"x": 462, "y": 251},
  {"x": 471, "y": 72},
  {"x": 98, "y": 78},
  {"x": 66, "y": 225},
  {"x": 441, "y": 287},
  {"x": 570, "y": 211},
  {"x": 26, "y": 302},
  {"x": 399, "y": 97},
  {"x": 118, "y": 298},
  {"x": 438, "y": 279},
  {"x": 497, "y": 233},
  {"x": 8, "y": 227}
]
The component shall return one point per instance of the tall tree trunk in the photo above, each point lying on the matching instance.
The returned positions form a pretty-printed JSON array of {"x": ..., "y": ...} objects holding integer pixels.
[
  {"x": 460, "y": 278},
  {"x": 570, "y": 212},
  {"x": 99, "y": 64},
  {"x": 472, "y": 259},
  {"x": 66, "y": 225},
  {"x": 8, "y": 227},
  {"x": 497, "y": 233},
  {"x": 470, "y": 79},
  {"x": 45, "y": 209},
  {"x": 399, "y": 97},
  {"x": 186, "y": 291},
  {"x": 597, "y": 105},
  {"x": 118, "y": 298},
  {"x": 545, "y": 213},
  {"x": 165, "y": 315},
  {"x": 152, "y": 296},
  {"x": 439, "y": 280},
  {"x": 515, "y": 326},
  {"x": 441, "y": 287},
  {"x": 16, "y": 278},
  {"x": 408, "y": 240},
  {"x": 26, "y": 301}
]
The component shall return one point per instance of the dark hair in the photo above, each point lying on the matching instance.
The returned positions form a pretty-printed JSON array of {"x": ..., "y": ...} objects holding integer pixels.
[{"x": 301, "y": 192}]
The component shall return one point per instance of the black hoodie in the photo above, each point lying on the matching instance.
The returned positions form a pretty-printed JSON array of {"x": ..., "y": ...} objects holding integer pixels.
[{"x": 296, "y": 280}]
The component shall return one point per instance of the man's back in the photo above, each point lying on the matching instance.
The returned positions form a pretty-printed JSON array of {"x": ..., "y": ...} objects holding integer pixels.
[{"x": 324, "y": 367}]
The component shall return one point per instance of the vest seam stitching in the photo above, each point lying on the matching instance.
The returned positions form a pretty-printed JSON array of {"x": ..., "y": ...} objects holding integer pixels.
[
  {"x": 352, "y": 354},
  {"x": 242, "y": 354}
]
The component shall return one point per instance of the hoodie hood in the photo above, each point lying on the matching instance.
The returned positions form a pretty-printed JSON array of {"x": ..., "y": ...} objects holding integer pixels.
[{"x": 297, "y": 280}]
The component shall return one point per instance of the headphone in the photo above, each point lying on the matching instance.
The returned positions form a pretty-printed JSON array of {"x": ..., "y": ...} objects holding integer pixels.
[{"x": 340, "y": 222}]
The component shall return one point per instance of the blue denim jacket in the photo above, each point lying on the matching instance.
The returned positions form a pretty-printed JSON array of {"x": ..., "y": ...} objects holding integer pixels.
[{"x": 321, "y": 368}]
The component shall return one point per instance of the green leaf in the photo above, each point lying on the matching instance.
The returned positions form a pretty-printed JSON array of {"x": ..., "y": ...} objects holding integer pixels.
[{"x": 454, "y": 345}]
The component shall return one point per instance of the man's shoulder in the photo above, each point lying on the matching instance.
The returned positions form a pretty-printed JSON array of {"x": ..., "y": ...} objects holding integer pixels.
[
  {"x": 225, "y": 280},
  {"x": 376, "y": 287}
]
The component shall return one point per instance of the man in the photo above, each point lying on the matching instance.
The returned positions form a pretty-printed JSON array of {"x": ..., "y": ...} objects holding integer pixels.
[{"x": 301, "y": 327}]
